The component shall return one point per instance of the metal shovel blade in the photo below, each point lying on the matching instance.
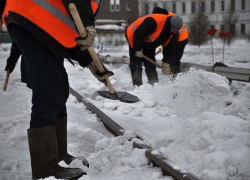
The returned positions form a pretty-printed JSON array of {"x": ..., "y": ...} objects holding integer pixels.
[{"x": 121, "y": 96}]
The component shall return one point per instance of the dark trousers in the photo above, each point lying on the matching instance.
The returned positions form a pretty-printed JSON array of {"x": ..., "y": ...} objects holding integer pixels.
[
  {"x": 47, "y": 78},
  {"x": 136, "y": 67}
]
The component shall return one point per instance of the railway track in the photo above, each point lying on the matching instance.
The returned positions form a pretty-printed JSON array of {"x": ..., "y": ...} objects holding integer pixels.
[{"x": 168, "y": 167}]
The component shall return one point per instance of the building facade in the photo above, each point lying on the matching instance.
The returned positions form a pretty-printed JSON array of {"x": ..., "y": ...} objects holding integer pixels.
[
  {"x": 119, "y": 10},
  {"x": 216, "y": 9}
]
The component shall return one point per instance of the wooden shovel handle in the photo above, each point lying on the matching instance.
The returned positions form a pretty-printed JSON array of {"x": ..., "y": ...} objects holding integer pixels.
[
  {"x": 91, "y": 50},
  {"x": 152, "y": 61},
  {"x": 6, "y": 80}
]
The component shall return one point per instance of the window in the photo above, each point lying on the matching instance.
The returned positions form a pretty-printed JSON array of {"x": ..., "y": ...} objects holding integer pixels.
[
  {"x": 243, "y": 29},
  {"x": 174, "y": 7},
  {"x": 212, "y": 26},
  {"x": 212, "y": 6},
  {"x": 193, "y": 7},
  {"x": 203, "y": 6},
  {"x": 183, "y": 7},
  {"x": 222, "y": 28},
  {"x": 232, "y": 29},
  {"x": 222, "y": 6},
  {"x": 232, "y": 5},
  {"x": 128, "y": 7},
  {"x": 243, "y": 4},
  {"x": 112, "y": 5},
  {"x": 117, "y": 5}
]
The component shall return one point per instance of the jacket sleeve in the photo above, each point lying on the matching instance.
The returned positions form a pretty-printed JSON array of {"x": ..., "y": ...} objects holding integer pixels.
[
  {"x": 14, "y": 54},
  {"x": 84, "y": 9},
  {"x": 146, "y": 28},
  {"x": 173, "y": 52},
  {"x": 82, "y": 57}
]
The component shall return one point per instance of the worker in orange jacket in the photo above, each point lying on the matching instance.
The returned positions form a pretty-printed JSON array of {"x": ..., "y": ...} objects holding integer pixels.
[
  {"x": 144, "y": 36},
  {"x": 45, "y": 33},
  {"x": 173, "y": 51}
]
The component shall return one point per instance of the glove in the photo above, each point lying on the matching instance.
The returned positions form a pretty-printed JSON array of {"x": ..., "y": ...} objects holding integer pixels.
[
  {"x": 10, "y": 66},
  {"x": 139, "y": 54},
  {"x": 89, "y": 39},
  {"x": 100, "y": 76},
  {"x": 166, "y": 68}
]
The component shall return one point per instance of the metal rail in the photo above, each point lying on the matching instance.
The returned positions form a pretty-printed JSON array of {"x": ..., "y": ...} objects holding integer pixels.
[
  {"x": 168, "y": 167},
  {"x": 238, "y": 74}
]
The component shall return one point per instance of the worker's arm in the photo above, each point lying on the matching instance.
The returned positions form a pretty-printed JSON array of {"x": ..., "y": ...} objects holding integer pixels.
[{"x": 13, "y": 58}]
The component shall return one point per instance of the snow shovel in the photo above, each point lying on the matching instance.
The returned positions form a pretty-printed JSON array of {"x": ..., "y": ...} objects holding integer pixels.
[
  {"x": 6, "y": 80},
  {"x": 155, "y": 63},
  {"x": 111, "y": 94}
]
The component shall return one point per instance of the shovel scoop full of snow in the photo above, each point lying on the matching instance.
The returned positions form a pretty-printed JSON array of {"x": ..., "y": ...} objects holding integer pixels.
[{"x": 121, "y": 96}]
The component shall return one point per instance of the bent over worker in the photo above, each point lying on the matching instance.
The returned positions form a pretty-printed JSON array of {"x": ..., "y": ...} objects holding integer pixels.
[
  {"x": 173, "y": 50},
  {"x": 144, "y": 36},
  {"x": 45, "y": 34}
]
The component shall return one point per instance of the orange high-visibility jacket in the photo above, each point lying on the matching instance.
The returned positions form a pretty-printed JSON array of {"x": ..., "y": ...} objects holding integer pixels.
[
  {"x": 49, "y": 15},
  {"x": 183, "y": 33},
  {"x": 160, "y": 20}
]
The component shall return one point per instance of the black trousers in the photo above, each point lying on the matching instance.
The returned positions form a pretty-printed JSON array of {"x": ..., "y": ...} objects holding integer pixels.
[
  {"x": 47, "y": 78},
  {"x": 136, "y": 63}
]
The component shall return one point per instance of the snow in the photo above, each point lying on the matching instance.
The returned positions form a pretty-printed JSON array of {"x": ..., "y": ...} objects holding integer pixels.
[{"x": 198, "y": 120}]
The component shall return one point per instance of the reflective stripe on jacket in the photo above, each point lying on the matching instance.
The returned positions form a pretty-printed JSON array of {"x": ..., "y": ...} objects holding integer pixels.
[
  {"x": 183, "y": 33},
  {"x": 51, "y": 16},
  {"x": 160, "y": 20}
]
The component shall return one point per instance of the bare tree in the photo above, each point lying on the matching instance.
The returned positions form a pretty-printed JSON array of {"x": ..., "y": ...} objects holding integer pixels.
[
  {"x": 199, "y": 23},
  {"x": 230, "y": 18}
]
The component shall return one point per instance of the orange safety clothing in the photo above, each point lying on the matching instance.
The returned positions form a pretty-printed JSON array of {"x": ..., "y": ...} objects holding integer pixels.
[
  {"x": 51, "y": 16},
  {"x": 95, "y": 4},
  {"x": 183, "y": 33},
  {"x": 160, "y": 20}
]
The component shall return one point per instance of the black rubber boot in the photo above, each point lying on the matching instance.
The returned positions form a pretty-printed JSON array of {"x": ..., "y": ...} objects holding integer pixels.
[
  {"x": 175, "y": 68},
  {"x": 136, "y": 75},
  {"x": 61, "y": 135},
  {"x": 152, "y": 77},
  {"x": 44, "y": 153}
]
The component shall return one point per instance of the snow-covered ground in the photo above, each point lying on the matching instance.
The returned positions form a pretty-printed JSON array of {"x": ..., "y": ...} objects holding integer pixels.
[{"x": 198, "y": 121}]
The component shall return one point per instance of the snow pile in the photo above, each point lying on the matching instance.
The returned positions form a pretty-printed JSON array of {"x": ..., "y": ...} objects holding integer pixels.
[{"x": 200, "y": 123}]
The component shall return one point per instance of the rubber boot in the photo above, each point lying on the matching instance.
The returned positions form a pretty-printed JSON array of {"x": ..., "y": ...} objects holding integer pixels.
[
  {"x": 175, "y": 69},
  {"x": 152, "y": 77},
  {"x": 61, "y": 135},
  {"x": 136, "y": 75},
  {"x": 43, "y": 154}
]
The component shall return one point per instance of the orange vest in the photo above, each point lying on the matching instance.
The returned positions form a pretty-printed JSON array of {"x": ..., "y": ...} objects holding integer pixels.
[
  {"x": 160, "y": 19},
  {"x": 95, "y": 5},
  {"x": 49, "y": 15},
  {"x": 183, "y": 33}
]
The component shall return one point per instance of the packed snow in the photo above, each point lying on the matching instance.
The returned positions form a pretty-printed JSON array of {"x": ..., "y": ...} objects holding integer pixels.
[{"x": 197, "y": 120}]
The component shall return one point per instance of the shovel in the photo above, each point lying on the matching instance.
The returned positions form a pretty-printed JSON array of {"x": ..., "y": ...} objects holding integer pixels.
[
  {"x": 111, "y": 94},
  {"x": 155, "y": 63},
  {"x": 6, "y": 80}
]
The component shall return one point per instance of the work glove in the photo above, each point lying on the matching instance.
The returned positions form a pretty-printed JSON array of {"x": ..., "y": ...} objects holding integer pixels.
[
  {"x": 166, "y": 68},
  {"x": 139, "y": 54},
  {"x": 10, "y": 66},
  {"x": 100, "y": 76},
  {"x": 86, "y": 42}
]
